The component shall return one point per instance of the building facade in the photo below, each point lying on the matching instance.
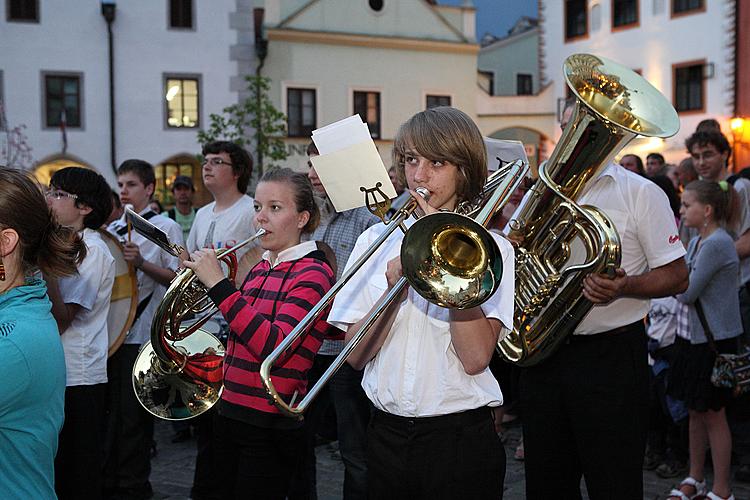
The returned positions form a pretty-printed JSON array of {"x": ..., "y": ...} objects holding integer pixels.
[
  {"x": 685, "y": 48},
  {"x": 383, "y": 59},
  {"x": 173, "y": 63},
  {"x": 513, "y": 104}
]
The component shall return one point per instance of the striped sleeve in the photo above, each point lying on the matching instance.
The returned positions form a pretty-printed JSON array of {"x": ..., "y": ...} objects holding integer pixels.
[{"x": 260, "y": 335}]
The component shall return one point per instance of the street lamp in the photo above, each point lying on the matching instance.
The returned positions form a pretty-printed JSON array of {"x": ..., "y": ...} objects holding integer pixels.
[{"x": 108, "y": 12}]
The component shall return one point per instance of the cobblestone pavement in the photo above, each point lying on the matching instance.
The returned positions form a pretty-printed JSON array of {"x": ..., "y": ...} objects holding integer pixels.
[{"x": 172, "y": 471}]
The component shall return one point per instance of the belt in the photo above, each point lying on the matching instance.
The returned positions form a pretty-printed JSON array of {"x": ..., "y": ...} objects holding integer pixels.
[
  {"x": 423, "y": 423},
  {"x": 636, "y": 326}
]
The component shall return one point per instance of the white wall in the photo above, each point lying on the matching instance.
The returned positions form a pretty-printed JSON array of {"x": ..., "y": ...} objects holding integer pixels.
[
  {"x": 653, "y": 47},
  {"x": 72, "y": 37}
]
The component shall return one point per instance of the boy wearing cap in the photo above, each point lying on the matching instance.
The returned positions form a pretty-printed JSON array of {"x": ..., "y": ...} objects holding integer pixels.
[{"x": 183, "y": 211}]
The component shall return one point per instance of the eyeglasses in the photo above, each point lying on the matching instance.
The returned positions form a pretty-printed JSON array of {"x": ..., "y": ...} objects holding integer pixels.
[
  {"x": 58, "y": 195},
  {"x": 215, "y": 162}
]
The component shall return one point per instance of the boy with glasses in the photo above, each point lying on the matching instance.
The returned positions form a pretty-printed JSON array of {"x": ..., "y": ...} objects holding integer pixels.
[
  {"x": 80, "y": 199},
  {"x": 222, "y": 223}
]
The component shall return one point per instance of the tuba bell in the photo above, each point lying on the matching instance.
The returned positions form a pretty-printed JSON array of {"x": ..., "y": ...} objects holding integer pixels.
[{"x": 560, "y": 242}]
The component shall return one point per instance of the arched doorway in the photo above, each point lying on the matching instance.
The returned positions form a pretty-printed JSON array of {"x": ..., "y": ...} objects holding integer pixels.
[
  {"x": 179, "y": 164},
  {"x": 44, "y": 170},
  {"x": 531, "y": 140}
]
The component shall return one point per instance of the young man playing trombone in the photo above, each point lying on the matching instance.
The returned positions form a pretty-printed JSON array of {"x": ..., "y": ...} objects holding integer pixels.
[{"x": 426, "y": 367}]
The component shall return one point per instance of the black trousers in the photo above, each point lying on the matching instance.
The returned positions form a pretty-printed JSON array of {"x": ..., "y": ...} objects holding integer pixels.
[
  {"x": 344, "y": 392},
  {"x": 254, "y": 462},
  {"x": 447, "y": 457},
  {"x": 130, "y": 431},
  {"x": 585, "y": 412},
  {"x": 80, "y": 453}
]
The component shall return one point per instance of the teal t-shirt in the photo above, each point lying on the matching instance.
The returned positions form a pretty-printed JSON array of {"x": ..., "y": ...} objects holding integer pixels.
[
  {"x": 32, "y": 392},
  {"x": 185, "y": 221}
]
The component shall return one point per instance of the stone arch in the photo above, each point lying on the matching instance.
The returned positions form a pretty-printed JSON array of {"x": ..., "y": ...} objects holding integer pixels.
[
  {"x": 45, "y": 168},
  {"x": 533, "y": 140}
]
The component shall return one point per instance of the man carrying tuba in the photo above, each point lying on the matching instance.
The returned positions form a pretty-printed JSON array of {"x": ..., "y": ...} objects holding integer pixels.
[{"x": 585, "y": 408}]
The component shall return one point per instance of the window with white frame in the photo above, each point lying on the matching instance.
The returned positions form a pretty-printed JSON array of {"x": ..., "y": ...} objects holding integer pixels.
[
  {"x": 434, "y": 101},
  {"x": 62, "y": 100},
  {"x": 367, "y": 106},
  {"x": 182, "y": 101},
  {"x": 301, "y": 112}
]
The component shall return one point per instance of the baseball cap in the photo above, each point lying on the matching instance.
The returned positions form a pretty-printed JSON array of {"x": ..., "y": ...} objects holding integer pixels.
[{"x": 183, "y": 180}]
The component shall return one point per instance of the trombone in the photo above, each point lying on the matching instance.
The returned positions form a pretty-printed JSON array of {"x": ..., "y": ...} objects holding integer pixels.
[{"x": 447, "y": 257}]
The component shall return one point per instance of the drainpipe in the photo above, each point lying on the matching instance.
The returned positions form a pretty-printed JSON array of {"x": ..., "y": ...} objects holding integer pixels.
[
  {"x": 108, "y": 12},
  {"x": 261, "y": 51}
]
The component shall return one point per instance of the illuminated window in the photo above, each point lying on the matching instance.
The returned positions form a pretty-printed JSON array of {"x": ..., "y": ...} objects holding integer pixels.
[
  {"x": 688, "y": 87},
  {"x": 181, "y": 13},
  {"x": 165, "y": 174},
  {"x": 434, "y": 101},
  {"x": 62, "y": 99},
  {"x": 23, "y": 10},
  {"x": 367, "y": 105},
  {"x": 181, "y": 96},
  {"x": 624, "y": 13},
  {"x": 301, "y": 112},
  {"x": 576, "y": 20}
]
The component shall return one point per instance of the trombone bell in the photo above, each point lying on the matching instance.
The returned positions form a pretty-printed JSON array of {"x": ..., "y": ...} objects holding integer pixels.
[{"x": 451, "y": 260}]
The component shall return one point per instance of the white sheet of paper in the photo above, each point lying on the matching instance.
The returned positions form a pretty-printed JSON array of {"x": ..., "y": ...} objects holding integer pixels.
[
  {"x": 505, "y": 151},
  {"x": 343, "y": 172},
  {"x": 341, "y": 134}
]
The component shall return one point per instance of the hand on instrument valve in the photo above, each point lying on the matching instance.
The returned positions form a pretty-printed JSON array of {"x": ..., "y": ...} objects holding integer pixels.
[
  {"x": 206, "y": 267},
  {"x": 393, "y": 273},
  {"x": 601, "y": 289},
  {"x": 132, "y": 254}
]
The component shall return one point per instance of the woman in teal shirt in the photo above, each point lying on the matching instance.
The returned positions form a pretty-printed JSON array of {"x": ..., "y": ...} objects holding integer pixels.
[{"x": 32, "y": 364}]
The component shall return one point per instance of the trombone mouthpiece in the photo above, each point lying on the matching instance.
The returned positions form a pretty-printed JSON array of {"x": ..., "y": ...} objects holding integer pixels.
[{"x": 424, "y": 193}]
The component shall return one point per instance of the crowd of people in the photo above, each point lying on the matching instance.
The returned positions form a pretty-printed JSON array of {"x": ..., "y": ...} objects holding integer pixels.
[{"x": 418, "y": 410}]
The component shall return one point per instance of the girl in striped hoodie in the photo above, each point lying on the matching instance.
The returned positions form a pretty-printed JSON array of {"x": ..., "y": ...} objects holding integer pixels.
[{"x": 258, "y": 448}]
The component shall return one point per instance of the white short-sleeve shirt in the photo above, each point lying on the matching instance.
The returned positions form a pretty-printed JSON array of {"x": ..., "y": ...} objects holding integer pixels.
[
  {"x": 85, "y": 341},
  {"x": 641, "y": 214},
  {"x": 223, "y": 229},
  {"x": 140, "y": 332},
  {"x": 417, "y": 371},
  {"x": 742, "y": 187}
]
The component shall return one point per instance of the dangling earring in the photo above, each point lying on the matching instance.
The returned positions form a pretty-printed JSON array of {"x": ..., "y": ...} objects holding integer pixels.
[{"x": 2, "y": 270}]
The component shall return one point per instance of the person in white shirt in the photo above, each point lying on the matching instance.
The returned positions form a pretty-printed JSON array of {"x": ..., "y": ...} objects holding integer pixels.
[
  {"x": 585, "y": 408},
  {"x": 426, "y": 367},
  {"x": 80, "y": 200},
  {"x": 131, "y": 427},
  {"x": 228, "y": 219},
  {"x": 223, "y": 223}
]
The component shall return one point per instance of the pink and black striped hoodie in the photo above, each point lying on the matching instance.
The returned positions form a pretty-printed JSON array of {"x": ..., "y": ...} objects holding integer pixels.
[{"x": 271, "y": 303}]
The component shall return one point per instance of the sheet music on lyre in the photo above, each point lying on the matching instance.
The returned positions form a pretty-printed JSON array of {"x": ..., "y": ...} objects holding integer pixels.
[
  {"x": 500, "y": 152},
  {"x": 151, "y": 232},
  {"x": 349, "y": 161}
]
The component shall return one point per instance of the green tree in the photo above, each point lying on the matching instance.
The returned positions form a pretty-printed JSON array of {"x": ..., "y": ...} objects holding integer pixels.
[{"x": 254, "y": 124}]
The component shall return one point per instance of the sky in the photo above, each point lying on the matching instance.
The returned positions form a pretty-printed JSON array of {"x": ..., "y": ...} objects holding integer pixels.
[{"x": 498, "y": 16}]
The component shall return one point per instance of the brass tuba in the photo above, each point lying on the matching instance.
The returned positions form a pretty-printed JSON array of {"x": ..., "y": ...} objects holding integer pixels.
[{"x": 560, "y": 241}]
